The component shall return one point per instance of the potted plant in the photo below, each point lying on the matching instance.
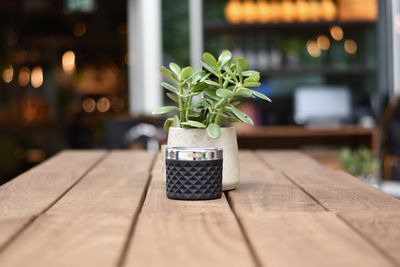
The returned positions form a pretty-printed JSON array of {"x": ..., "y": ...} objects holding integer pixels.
[
  {"x": 361, "y": 163},
  {"x": 207, "y": 122}
]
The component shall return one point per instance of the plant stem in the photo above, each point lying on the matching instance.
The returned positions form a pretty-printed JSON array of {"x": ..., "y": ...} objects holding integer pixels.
[
  {"x": 188, "y": 102},
  {"x": 181, "y": 104}
]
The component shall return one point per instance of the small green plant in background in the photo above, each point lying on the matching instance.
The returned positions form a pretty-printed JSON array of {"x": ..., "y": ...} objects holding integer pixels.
[
  {"x": 221, "y": 82},
  {"x": 361, "y": 162}
]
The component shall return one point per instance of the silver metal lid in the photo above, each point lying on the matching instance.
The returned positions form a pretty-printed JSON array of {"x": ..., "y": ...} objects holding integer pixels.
[{"x": 193, "y": 153}]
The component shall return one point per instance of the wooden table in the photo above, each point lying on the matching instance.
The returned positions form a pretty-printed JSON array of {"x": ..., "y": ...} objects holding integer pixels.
[{"x": 97, "y": 208}]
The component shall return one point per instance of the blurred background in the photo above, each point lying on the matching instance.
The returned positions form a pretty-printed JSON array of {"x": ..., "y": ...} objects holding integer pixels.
[{"x": 83, "y": 74}]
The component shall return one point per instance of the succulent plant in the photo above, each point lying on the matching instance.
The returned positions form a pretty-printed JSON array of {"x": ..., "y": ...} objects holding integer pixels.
[{"x": 222, "y": 84}]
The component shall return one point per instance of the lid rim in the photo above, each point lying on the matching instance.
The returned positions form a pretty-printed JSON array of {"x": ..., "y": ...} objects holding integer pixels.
[{"x": 194, "y": 153}]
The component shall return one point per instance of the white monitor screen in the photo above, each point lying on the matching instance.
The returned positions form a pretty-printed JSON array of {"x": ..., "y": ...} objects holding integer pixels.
[{"x": 319, "y": 104}]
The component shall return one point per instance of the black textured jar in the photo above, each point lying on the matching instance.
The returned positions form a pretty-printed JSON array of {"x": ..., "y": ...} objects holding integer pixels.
[{"x": 193, "y": 173}]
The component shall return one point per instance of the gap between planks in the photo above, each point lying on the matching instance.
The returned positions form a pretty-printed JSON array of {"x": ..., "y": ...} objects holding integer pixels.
[
  {"x": 246, "y": 238},
  {"x": 388, "y": 249},
  {"x": 55, "y": 233},
  {"x": 131, "y": 233},
  {"x": 14, "y": 236}
]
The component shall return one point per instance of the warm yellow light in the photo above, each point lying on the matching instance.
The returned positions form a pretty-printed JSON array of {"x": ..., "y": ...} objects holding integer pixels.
[
  {"x": 249, "y": 11},
  {"x": 79, "y": 29},
  {"x": 103, "y": 104},
  {"x": 264, "y": 11},
  {"x": 37, "y": 77},
  {"x": 350, "y": 46},
  {"x": 323, "y": 42},
  {"x": 314, "y": 8},
  {"x": 337, "y": 33},
  {"x": 68, "y": 62},
  {"x": 89, "y": 105},
  {"x": 24, "y": 76},
  {"x": 313, "y": 49},
  {"x": 288, "y": 10},
  {"x": 329, "y": 10},
  {"x": 302, "y": 10},
  {"x": 8, "y": 74},
  {"x": 233, "y": 11}
]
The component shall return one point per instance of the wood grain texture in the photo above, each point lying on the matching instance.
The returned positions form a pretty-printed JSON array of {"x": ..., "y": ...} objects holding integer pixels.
[
  {"x": 335, "y": 190},
  {"x": 381, "y": 227},
  {"x": 308, "y": 239},
  {"x": 262, "y": 189},
  {"x": 89, "y": 226},
  {"x": 29, "y": 194},
  {"x": 186, "y": 233}
]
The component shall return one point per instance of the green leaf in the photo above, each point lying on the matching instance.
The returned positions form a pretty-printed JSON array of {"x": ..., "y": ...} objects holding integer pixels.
[
  {"x": 224, "y": 57},
  {"x": 165, "y": 109},
  {"x": 168, "y": 123},
  {"x": 168, "y": 74},
  {"x": 169, "y": 87},
  {"x": 229, "y": 71},
  {"x": 260, "y": 95},
  {"x": 248, "y": 73},
  {"x": 186, "y": 72},
  {"x": 211, "y": 94},
  {"x": 253, "y": 78},
  {"x": 242, "y": 62},
  {"x": 194, "y": 124},
  {"x": 210, "y": 69},
  {"x": 210, "y": 82},
  {"x": 204, "y": 103},
  {"x": 192, "y": 94},
  {"x": 221, "y": 102},
  {"x": 251, "y": 84},
  {"x": 199, "y": 87},
  {"x": 213, "y": 130},
  {"x": 205, "y": 77},
  {"x": 173, "y": 97},
  {"x": 240, "y": 115},
  {"x": 198, "y": 75},
  {"x": 210, "y": 60},
  {"x": 175, "y": 68},
  {"x": 244, "y": 92},
  {"x": 225, "y": 93}
]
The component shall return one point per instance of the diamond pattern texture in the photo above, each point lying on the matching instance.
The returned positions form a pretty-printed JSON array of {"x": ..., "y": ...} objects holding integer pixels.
[{"x": 194, "y": 179}]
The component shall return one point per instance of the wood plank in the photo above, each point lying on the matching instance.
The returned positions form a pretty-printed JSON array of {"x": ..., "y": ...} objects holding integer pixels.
[
  {"x": 335, "y": 190},
  {"x": 382, "y": 228},
  {"x": 186, "y": 233},
  {"x": 28, "y": 195},
  {"x": 89, "y": 226},
  {"x": 286, "y": 227},
  {"x": 262, "y": 189},
  {"x": 308, "y": 239}
]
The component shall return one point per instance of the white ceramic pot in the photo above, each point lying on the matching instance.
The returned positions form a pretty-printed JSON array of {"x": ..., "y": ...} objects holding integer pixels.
[{"x": 199, "y": 138}]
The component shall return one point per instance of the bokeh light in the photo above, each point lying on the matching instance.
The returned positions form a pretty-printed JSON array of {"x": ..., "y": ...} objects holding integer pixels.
[
  {"x": 350, "y": 46},
  {"x": 313, "y": 49},
  {"x": 24, "y": 76},
  {"x": 89, "y": 105},
  {"x": 323, "y": 42},
  {"x": 8, "y": 74},
  {"x": 68, "y": 62},
  {"x": 337, "y": 33},
  {"x": 37, "y": 77},
  {"x": 103, "y": 104}
]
